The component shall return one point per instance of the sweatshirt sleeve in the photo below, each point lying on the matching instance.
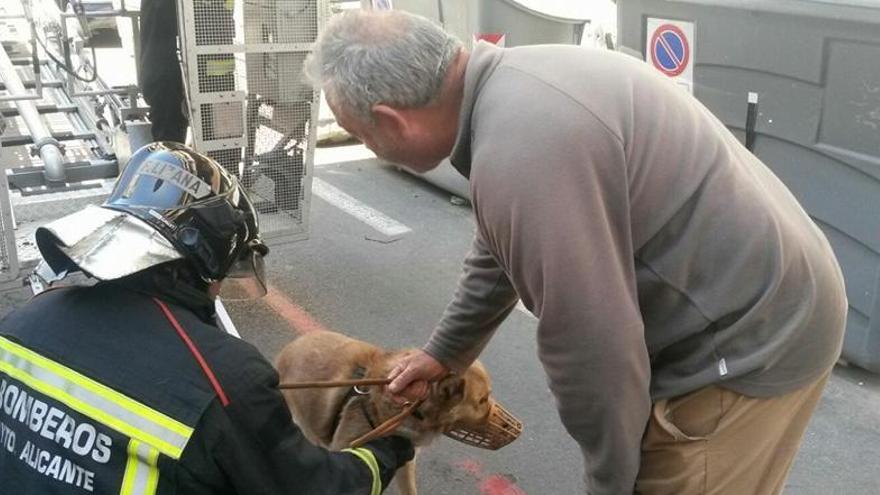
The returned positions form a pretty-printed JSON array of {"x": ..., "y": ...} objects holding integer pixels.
[
  {"x": 554, "y": 210},
  {"x": 483, "y": 299}
]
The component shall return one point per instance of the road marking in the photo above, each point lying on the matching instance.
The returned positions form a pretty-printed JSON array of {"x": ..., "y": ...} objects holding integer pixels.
[
  {"x": 341, "y": 155},
  {"x": 299, "y": 319},
  {"x": 374, "y": 218},
  {"x": 225, "y": 321}
]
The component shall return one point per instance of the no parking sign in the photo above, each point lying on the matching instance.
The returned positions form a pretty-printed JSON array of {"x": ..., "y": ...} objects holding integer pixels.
[{"x": 670, "y": 49}]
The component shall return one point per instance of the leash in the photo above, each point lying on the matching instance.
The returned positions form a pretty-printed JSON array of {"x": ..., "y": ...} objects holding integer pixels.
[
  {"x": 388, "y": 426},
  {"x": 356, "y": 382},
  {"x": 383, "y": 429}
]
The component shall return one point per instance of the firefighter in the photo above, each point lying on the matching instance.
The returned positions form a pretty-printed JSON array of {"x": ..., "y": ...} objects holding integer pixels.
[{"x": 128, "y": 386}]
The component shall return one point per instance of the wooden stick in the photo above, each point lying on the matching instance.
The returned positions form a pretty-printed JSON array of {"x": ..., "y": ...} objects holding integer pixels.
[{"x": 337, "y": 383}]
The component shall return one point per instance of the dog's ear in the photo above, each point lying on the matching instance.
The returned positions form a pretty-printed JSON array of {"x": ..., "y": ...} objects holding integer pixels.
[{"x": 450, "y": 390}]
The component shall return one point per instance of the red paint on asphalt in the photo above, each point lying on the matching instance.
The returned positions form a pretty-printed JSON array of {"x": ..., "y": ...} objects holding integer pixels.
[
  {"x": 299, "y": 319},
  {"x": 494, "y": 484},
  {"x": 497, "y": 484},
  {"x": 471, "y": 467}
]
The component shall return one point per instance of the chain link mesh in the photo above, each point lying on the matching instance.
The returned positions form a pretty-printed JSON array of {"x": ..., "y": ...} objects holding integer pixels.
[{"x": 252, "y": 108}]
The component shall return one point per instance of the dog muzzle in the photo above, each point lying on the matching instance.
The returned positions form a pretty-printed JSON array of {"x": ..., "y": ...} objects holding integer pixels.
[{"x": 499, "y": 429}]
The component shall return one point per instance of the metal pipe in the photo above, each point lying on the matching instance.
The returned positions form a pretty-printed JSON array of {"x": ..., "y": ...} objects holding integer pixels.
[
  {"x": 105, "y": 13},
  {"x": 35, "y": 60},
  {"x": 99, "y": 92},
  {"x": 21, "y": 98},
  {"x": 65, "y": 47},
  {"x": 38, "y": 82},
  {"x": 136, "y": 44},
  {"x": 47, "y": 146}
]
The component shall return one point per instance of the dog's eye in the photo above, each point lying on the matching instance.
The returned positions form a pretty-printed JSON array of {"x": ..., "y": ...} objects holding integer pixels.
[{"x": 484, "y": 400}]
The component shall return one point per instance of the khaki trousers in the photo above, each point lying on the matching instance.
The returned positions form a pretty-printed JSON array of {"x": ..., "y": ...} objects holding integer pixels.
[{"x": 716, "y": 441}]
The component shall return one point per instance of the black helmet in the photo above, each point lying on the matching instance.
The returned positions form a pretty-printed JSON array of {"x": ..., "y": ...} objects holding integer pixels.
[{"x": 169, "y": 203}]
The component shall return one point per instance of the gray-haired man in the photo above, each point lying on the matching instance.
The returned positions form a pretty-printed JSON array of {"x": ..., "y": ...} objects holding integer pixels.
[{"x": 690, "y": 311}]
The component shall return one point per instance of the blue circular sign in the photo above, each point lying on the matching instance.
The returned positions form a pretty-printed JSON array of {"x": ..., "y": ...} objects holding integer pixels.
[{"x": 670, "y": 52}]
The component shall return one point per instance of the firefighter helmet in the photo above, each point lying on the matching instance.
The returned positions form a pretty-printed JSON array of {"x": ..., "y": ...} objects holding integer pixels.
[{"x": 170, "y": 203}]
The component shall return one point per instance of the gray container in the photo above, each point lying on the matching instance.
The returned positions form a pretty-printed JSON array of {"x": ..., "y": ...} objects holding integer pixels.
[
  {"x": 815, "y": 66},
  {"x": 522, "y": 23}
]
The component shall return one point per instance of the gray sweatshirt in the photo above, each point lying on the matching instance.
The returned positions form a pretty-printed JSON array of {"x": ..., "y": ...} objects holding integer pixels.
[{"x": 659, "y": 255}]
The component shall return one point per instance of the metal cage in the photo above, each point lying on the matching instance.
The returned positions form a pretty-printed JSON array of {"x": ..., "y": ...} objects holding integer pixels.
[{"x": 251, "y": 108}]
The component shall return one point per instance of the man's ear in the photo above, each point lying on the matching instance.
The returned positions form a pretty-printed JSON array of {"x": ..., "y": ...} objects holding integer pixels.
[{"x": 390, "y": 119}]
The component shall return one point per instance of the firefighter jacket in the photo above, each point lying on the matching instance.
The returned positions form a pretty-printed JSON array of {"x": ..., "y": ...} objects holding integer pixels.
[{"x": 109, "y": 391}]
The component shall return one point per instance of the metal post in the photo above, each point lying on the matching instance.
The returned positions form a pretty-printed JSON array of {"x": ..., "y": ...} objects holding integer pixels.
[
  {"x": 47, "y": 146},
  {"x": 9, "y": 263},
  {"x": 35, "y": 60}
]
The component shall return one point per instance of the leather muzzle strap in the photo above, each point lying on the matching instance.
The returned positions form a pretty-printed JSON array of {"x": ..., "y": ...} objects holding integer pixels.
[
  {"x": 352, "y": 394},
  {"x": 388, "y": 426}
]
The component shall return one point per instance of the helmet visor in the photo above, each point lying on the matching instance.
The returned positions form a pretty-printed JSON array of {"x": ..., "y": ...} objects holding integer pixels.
[{"x": 246, "y": 278}]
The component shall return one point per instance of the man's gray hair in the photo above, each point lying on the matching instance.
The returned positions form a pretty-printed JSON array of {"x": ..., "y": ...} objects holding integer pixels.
[{"x": 395, "y": 58}]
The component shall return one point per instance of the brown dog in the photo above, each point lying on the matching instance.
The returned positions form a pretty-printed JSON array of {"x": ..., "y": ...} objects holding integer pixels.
[{"x": 333, "y": 417}]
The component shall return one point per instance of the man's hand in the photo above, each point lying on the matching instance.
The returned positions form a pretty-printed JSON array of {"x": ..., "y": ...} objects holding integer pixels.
[{"x": 411, "y": 375}]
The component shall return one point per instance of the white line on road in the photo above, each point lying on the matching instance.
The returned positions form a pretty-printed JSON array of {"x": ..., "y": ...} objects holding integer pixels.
[
  {"x": 374, "y": 218},
  {"x": 225, "y": 321},
  {"x": 340, "y": 155}
]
